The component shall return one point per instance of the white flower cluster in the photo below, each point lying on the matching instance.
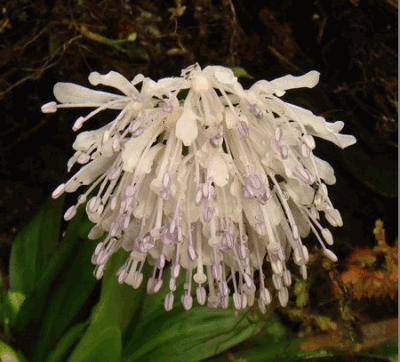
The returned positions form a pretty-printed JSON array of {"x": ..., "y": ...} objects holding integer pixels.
[{"x": 201, "y": 174}]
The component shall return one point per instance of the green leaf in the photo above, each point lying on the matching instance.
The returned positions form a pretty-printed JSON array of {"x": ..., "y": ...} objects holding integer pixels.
[
  {"x": 59, "y": 294},
  {"x": 106, "y": 346},
  {"x": 241, "y": 73},
  {"x": 192, "y": 335},
  {"x": 181, "y": 335},
  {"x": 116, "y": 309},
  {"x": 65, "y": 345},
  {"x": 34, "y": 245}
]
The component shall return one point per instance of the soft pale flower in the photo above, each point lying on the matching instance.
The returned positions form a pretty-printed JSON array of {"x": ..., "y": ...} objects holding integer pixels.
[{"x": 200, "y": 174}]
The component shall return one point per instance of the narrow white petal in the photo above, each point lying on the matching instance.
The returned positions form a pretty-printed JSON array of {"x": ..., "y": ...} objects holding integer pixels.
[
  {"x": 308, "y": 80},
  {"x": 133, "y": 149},
  {"x": 73, "y": 93},
  {"x": 88, "y": 173},
  {"x": 115, "y": 80}
]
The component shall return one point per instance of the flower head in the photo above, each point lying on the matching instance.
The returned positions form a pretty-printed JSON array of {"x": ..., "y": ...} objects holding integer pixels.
[{"x": 213, "y": 183}]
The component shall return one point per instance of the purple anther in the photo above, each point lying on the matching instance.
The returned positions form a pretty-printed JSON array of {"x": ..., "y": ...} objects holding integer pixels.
[
  {"x": 83, "y": 158},
  {"x": 99, "y": 271},
  {"x": 263, "y": 196},
  {"x": 175, "y": 270},
  {"x": 253, "y": 108},
  {"x": 237, "y": 302},
  {"x": 187, "y": 301},
  {"x": 167, "y": 237},
  {"x": 122, "y": 274},
  {"x": 248, "y": 190},
  {"x": 157, "y": 286},
  {"x": 265, "y": 295},
  {"x": 277, "y": 280},
  {"x": 147, "y": 243},
  {"x": 242, "y": 251},
  {"x": 137, "y": 280},
  {"x": 161, "y": 262},
  {"x": 169, "y": 301},
  {"x": 199, "y": 196},
  {"x": 216, "y": 141},
  {"x": 201, "y": 295},
  {"x": 287, "y": 278},
  {"x": 255, "y": 181},
  {"x": 284, "y": 152},
  {"x": 243, "y": 128},
  {"x": 126, "y": 221},
  {"x": 281, "y": 254},
  {"x": 191, "y": 253},
  {"x": 208, "y": 213},
  {"x": 229, "y": 241},
  {"x": 172, "y": 284},
  {"x": 248, "y": 280}
]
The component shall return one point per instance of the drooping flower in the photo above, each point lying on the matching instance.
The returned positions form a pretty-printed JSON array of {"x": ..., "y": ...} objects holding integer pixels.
[{"x": 216, "y": 181}]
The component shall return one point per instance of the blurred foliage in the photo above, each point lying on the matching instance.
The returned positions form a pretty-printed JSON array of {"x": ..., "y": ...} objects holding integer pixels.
[{"x": 347, "y": 309}]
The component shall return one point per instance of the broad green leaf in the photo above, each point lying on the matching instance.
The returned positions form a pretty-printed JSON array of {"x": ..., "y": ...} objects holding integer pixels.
[
  {"x": 192, "y": 335},
  {"x": 34, "y": 245},
  {"x": 106, "y": 346},
  {"x": 116, "y": 309},
  {"x": 59, "y": 294},
  {"x": 67, "y": 342},
  {"x": 181, "y": 335}
]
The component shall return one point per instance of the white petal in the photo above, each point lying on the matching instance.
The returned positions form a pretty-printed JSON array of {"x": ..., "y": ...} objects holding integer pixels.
[
  {"x": 113, "y": 79},
  {"x": 150, "y": 156},
  {"x": 86, "y": 139},
  {"x": 299, "y": 192},
  {"x": 325, "y": 171},
  {"x": 133, "y": 149},
  {"x": 218, "y": 170},
  {"x": 73, "y": 93},
  {"x": 221, "y": 74},
  {"x": 301, "y": 220},
  {"x": 321, "y": 128},
  {"x": 263, "y": 86},
  {"x": 186, "y": 127},
  {"x": 230, "y": 119},
  {"x": 308, "y": 80},
  {"x": 275, "y": 211},
  {"x": 89, "y": 173}
]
